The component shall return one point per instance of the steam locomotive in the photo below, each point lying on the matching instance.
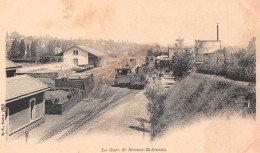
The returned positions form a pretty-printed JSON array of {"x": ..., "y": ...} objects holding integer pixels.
[{"x": 125, "y": 78}]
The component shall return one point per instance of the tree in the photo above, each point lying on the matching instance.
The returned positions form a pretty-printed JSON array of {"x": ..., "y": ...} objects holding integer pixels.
[
  {"x": 181, "y": 64},
  {"x": 14, "y": 35},
  {"x": 28, "y": 54},
  {"x": 15, "y": 49},
  {"x": 156, "y": 96},
  {"x": 22, "y": 49},
  {"x": 251, "y": 45},
  {"x": 51, "y": 46},
  {"x": 33, "y": 50}
]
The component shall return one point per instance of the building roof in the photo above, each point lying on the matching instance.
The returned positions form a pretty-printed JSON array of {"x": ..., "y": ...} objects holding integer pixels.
[
  {"x": 87, "y": 49},
  {"x": 76, "y": 76},
  {"x": 207, "y": 40},
  {"x": 11, "y": 65},
  {"x": 23, "y": 85},
  {"x": 90, "y": 50}
]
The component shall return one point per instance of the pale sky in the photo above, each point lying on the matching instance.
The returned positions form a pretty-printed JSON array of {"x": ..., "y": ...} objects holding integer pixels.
[{"x": 144, "y": 21}]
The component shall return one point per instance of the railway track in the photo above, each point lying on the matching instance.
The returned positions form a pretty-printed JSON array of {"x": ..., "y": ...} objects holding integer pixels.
[{"x": 79, "y": 119}]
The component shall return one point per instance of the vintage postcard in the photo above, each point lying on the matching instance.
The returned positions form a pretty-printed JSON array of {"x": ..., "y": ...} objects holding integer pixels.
[{"x": 132, "y": 76}]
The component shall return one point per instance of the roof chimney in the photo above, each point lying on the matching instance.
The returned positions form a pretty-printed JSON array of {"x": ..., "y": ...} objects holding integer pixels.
[{"x": 217, "y": 31}]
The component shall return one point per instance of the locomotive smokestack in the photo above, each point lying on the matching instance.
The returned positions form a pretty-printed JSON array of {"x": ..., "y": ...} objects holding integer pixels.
[{"x": 217, "y": 31}]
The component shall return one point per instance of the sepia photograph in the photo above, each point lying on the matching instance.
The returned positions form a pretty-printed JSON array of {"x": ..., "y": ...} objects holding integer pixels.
[{"x": 94, "y": 76}]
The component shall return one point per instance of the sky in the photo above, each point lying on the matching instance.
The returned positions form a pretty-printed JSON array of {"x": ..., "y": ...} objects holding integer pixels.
[{"x": 143, "y": 21}]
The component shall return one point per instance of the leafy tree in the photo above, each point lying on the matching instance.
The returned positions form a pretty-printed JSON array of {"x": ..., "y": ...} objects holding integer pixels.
[
  {"x": 15, "y": 49},
  {"x": 181, "y": 64},
  {"x": 14, "y": 35},
  {"x": 156, "y": 95},
  {"x": 251, "y": 45},
  {"x": 51, "y": 46},
  {"x": 33, "y": 50},
  {"x": 28, "y": 54},
  {"x": 22, "y": 49}
]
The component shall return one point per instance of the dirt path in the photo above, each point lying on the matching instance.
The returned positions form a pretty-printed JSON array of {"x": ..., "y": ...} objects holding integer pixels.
[
  {"x": 167, "y": 81},
  {"x": 125, "y": 119}
]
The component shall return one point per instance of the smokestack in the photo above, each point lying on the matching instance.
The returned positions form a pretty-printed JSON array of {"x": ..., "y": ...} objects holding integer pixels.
[{"x": 217, "y": 31}]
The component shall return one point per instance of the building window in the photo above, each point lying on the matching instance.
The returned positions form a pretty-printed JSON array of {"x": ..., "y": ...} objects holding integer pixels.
[
  {"x": 32, "y": 104},
  {"x": 199, "y": 57},
  {"x": 75, "y": 52},
  {"x": 64, "y": 79}
]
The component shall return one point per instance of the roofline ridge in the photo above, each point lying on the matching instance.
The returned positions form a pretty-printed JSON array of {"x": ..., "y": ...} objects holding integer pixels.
[{"x": 78, "y": 46}]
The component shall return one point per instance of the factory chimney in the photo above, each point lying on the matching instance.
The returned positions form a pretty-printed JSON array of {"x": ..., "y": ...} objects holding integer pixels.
[{"x": 217, "y": 31}]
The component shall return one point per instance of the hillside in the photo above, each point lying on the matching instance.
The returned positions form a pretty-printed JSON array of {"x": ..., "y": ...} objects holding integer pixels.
[{"x": 200, "y": 95}]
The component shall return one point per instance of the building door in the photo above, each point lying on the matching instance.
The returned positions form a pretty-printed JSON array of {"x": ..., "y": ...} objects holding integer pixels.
[
  {"x": 75, "y": 61},
  {"x": 33, "y": 108}
]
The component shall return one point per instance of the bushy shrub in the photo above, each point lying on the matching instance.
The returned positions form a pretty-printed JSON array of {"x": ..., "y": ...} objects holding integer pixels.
[
  {"x": 156, "y": 95},
  {"x": 241, "y": 67},
  {"x": 181, "y": 64}
]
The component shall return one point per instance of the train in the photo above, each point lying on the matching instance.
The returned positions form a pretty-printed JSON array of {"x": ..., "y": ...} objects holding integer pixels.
[{"x": 126, "y": 78}]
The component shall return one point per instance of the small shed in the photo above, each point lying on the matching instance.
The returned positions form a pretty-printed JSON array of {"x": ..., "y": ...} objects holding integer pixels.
[{"x": 11, "y": 68}]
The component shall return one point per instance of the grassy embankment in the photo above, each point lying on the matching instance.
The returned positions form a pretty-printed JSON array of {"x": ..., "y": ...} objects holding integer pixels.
[{"x": 201, "y": 95}]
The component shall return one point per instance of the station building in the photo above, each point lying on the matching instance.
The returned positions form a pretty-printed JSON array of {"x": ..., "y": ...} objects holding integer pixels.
[
  {"x": 81, "y": 55},
  {"x": 24, "y": 101}
]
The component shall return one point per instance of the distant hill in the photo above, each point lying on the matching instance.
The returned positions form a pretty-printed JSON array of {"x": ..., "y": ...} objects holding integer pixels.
[{"x": 47, "y": 45}]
